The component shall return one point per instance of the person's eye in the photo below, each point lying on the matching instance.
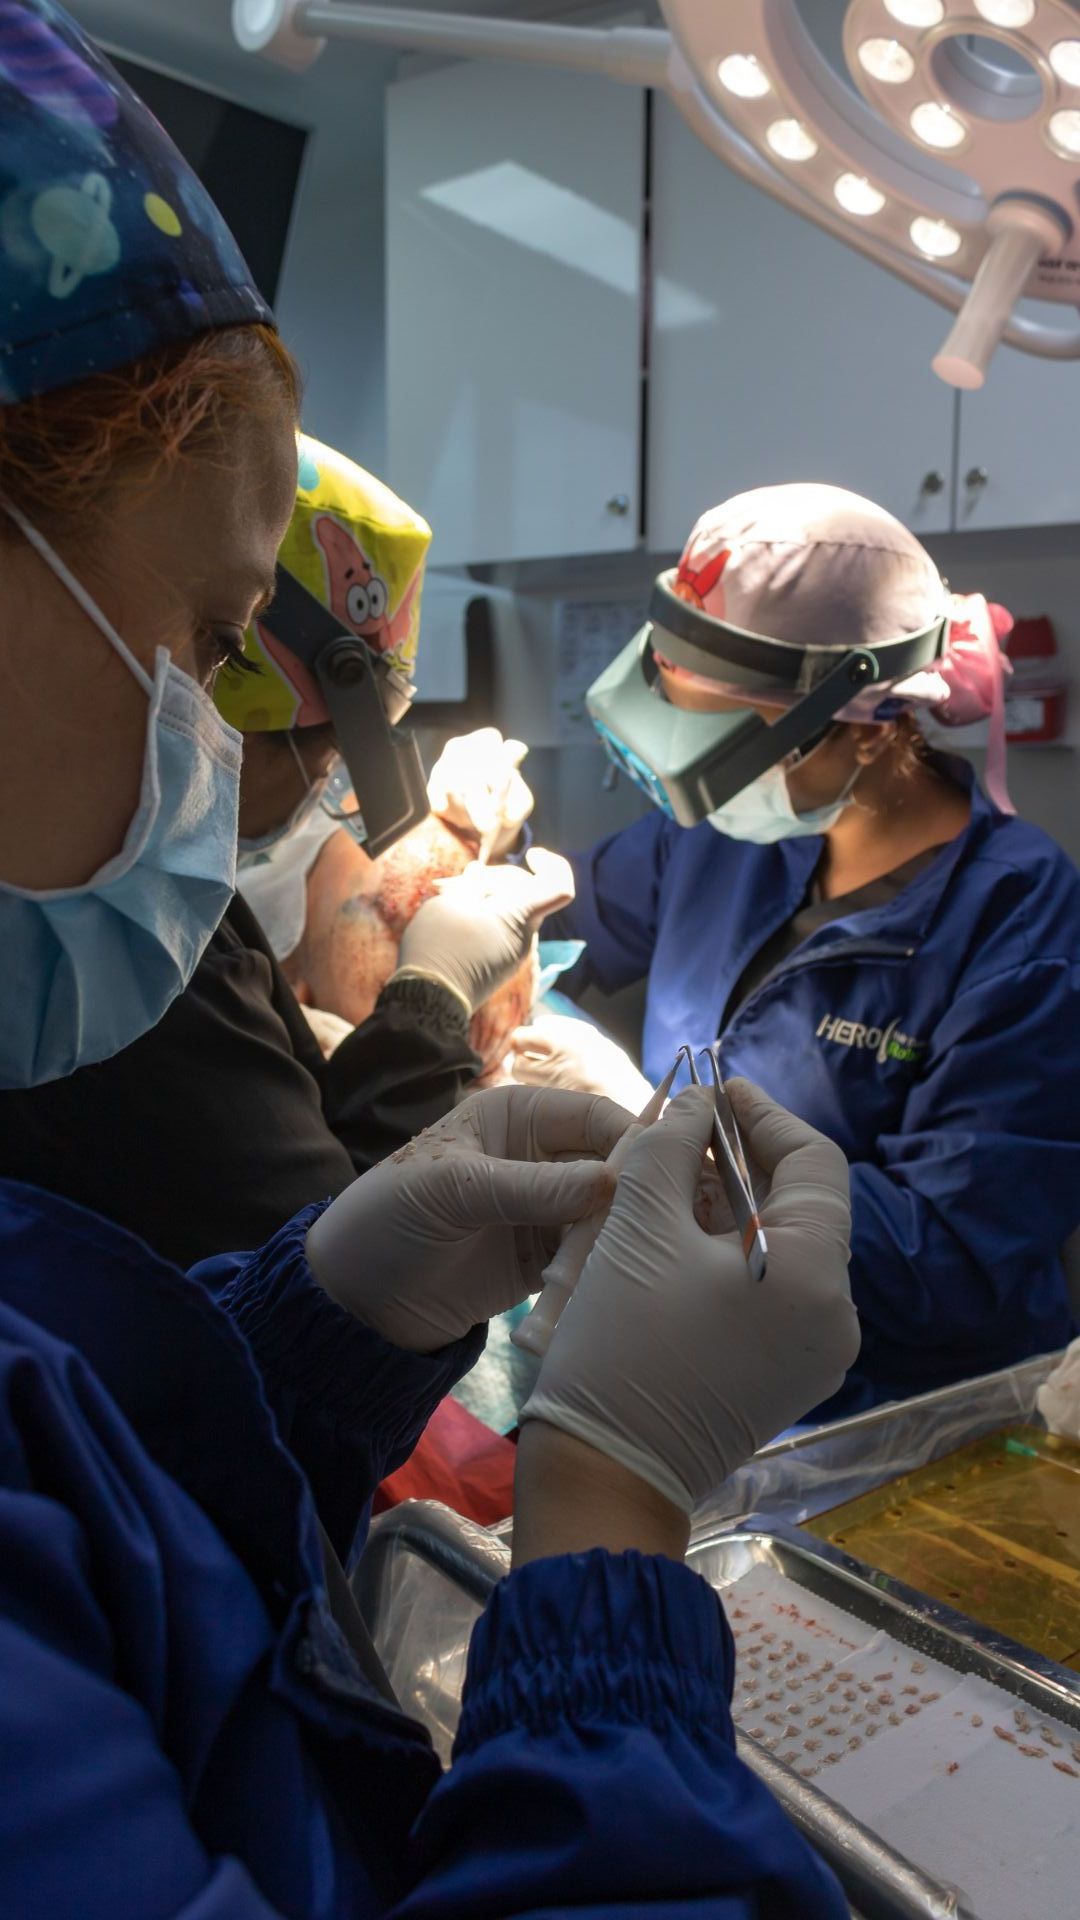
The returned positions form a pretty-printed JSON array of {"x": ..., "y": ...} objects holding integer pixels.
[{"x": 221, "y": 648}]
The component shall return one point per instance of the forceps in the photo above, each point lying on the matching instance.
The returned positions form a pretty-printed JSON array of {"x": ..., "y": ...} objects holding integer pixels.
[{"x": 731, "y": 1163}]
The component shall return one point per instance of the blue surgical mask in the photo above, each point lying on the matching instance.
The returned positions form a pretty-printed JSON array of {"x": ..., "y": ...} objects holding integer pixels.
[
  {"x": 763, "y": 812},
  {"x": 88, "y": 969}
]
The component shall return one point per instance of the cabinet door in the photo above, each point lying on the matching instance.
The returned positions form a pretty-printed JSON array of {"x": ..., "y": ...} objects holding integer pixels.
[
  {"x": 778, "y": 354},
  {"x": 1018, "y": 464},
  {"x": 514, "y": 309}
]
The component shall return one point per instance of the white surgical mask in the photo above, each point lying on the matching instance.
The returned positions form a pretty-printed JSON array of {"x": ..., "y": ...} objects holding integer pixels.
[
  {"x": 763, "y": 812},
  {"x": 89, "y": 969}
]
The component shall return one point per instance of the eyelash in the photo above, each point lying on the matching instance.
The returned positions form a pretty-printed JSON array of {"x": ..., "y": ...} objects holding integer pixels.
[{"x": 230, "y": 653}]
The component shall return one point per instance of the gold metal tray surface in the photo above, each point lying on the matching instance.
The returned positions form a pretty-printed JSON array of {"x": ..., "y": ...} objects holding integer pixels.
[{"x": 991, "y": 1529}]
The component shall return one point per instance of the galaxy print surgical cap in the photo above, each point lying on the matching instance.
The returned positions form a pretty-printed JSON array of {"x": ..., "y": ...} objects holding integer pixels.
[{"x": 109, "y": 245}]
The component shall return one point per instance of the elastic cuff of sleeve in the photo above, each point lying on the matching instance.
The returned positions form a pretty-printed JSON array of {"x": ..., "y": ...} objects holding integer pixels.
[
  {"x": 428, "y": 1002},
  {"x": 598, "y": 1637},
  {"x": 308, "y": 1345},
  {"x": 430, "y": 979}
]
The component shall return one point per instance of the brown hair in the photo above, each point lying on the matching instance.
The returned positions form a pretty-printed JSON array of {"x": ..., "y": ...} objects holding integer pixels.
[
  {"x": 910, "y": 745},
  {"x": 62, "y": 453}
]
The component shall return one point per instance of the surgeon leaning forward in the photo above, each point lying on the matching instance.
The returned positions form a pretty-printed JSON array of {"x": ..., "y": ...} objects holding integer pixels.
[{"x": 873, "y": 938}]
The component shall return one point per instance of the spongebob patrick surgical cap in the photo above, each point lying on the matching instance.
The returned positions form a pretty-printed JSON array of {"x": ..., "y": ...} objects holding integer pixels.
[
  {"x": 109, "y": 245},
  {"x": 361, "y": 551}
]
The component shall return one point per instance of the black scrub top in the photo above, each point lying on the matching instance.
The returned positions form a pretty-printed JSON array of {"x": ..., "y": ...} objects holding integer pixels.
[
  {"x": 814, "y": 912},
  {"x": 224, "y": 1120}
]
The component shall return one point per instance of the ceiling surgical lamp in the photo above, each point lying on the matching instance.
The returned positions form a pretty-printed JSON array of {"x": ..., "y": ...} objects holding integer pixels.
[{"x": 956, "y": 164}]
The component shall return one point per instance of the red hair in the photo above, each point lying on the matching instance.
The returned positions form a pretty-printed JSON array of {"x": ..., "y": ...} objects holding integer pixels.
[{"x": 62, "y": 453}]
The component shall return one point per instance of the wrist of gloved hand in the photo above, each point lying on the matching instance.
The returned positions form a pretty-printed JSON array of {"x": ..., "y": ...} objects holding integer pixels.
[{"x": 435, "y": 979}]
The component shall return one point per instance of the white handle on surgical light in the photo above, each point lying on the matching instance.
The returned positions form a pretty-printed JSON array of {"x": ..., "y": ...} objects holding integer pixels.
[{"x": 1023, "y": 231}]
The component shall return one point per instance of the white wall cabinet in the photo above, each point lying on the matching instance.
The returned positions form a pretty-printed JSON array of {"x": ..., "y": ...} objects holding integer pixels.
[
  {"x": 778, "y": 354},
  {"x": 1017, "y": 451},
  {"x": 516, "y": 331},
  {"x": 514, "y": 309}
]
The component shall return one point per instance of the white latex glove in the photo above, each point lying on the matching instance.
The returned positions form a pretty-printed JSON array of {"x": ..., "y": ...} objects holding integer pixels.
[
  {"x": 558, "y": 1051},
  {"x": 669, "y": 1358},
  {"x": 458, "y": 1225},
  {"x": 475, "y": 784},
  {"x": 480, "y": 924}
]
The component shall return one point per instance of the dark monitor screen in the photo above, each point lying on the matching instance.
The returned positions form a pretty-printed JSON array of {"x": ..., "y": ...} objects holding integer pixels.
[{"x": 249, "y": 163}]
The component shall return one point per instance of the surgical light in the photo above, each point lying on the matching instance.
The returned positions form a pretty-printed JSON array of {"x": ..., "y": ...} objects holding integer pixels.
[
  {"x": 743, "y": 76},
  {"x": 887, "y": 60},
  {"x": 937, "y": 125},
  {"x": 857, "y": 195},
  {"x": 1064, "y": 130},
  {"x": 1006, "y": 13},
  {"x": 916, "y": 13},
  {"x": 1065, "y": 60},
  {"x": 791, "y": 141},
  {"x": 953, "y": 161},
  {"x": 935, "y": 238}
]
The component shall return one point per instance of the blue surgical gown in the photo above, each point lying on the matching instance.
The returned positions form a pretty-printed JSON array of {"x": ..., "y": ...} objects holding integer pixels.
[
  {"x": 936, "y": 1039},
  {"x": 184, "y": 1734}
]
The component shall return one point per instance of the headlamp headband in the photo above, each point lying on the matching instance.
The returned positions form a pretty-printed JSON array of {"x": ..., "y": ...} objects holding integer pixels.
[
  {"x": 700, "y": 642},
  {"x": 363, "y": 697}
]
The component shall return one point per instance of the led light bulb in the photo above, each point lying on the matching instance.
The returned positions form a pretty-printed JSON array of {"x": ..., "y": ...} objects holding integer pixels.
[
  {"x": 887, "y": 61},
  {"x": 917, "y": 13},
  {"x": 1006, "y": 13},
  {"x": 1064, "y": 130},
  {"x": 937, "y": 125},
  {"x": 857, "y": 195},
  {"x": 791, "y": 141},
  {"x": 1065, "y": 60},
  {"x": 743, "y": 75},
  {"x": 935, "y": 238}
]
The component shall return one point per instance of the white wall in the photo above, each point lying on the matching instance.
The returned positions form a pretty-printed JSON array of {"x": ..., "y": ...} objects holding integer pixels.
[{"x": 330, "y": 301}]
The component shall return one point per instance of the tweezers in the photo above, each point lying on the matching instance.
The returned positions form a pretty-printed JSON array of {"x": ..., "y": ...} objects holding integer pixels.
[{"x": 731, "y": 1163}]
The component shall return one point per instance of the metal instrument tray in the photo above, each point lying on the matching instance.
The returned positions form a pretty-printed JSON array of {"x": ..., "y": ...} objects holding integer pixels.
[
  {"x": 928, "y": 1629},
  {"x": 806, "y": 1473},
  {"x": 926, "y": 1626}
]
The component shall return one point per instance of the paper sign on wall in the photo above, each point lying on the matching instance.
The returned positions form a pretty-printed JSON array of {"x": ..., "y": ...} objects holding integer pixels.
[{"x": 588, "y": 635}]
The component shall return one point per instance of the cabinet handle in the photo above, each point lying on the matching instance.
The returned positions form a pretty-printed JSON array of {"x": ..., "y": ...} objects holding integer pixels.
[
  {"x": 619, "y": 503},
  {"x": 976, "y": 478},
  {"x": 933, "y": 482}
]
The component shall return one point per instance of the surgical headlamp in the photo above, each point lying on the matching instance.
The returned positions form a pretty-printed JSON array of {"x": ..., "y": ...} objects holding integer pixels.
[
  {"x": 690, "y": 763},
  {"x": 365, "y": 698}
]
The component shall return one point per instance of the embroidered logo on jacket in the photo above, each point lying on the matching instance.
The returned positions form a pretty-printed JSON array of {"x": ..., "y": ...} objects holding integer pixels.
[{"x": 888, "y": 1043}]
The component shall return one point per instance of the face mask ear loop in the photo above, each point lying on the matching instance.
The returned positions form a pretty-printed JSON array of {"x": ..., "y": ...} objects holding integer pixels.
[
  {"x": 303, "y": 772},
  {"x": 78, "y": 592}
]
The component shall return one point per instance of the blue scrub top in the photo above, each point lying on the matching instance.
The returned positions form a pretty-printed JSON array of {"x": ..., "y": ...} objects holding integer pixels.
[{"x": 936, "y": 1039}]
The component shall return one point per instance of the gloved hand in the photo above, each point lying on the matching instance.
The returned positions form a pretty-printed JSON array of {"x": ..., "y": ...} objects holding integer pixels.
[
  {"x": 480, "y": 924},
  {"x": 669, "y": 1358},
  {"x": 475, "y": 784},
  {"x": 460, "y": 1224},
  {"x": 558, "y": 1051}
]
